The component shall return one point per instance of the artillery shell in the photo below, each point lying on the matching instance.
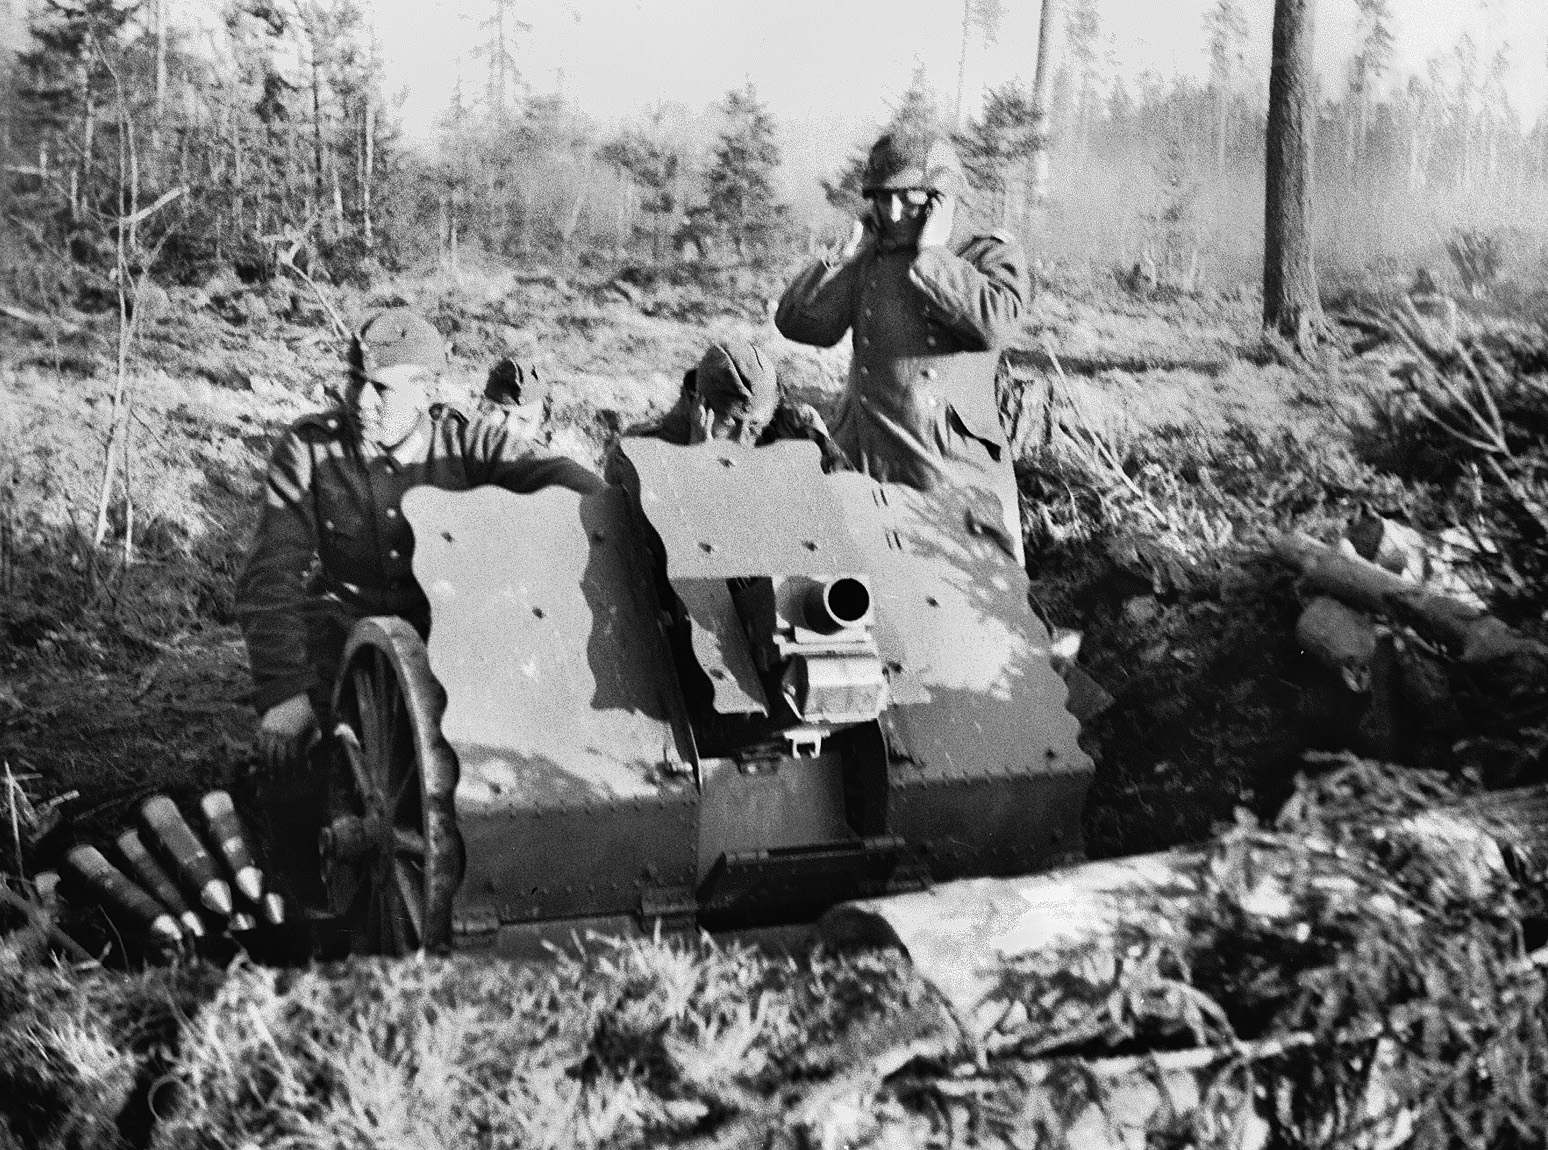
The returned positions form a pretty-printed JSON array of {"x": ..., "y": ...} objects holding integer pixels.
[
  {"x": 121, "y": 893},
  {"x": 150, "y": 874},
  {"x": 242, "y": 921},
  {"x": 273, "y": 908},
  {"x": 226, "y": 830},
  {"x": 195, "y": 865}
]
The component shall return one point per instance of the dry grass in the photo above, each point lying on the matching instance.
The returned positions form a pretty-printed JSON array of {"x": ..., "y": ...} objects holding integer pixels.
[{"x": 630, "y": 1044}]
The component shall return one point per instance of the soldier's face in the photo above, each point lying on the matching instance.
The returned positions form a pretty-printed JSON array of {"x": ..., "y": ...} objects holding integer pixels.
[
  {"x": 389, "y": 401},
  {"x": 734, "y": 426},
  {"x": 899, "y": 212}
]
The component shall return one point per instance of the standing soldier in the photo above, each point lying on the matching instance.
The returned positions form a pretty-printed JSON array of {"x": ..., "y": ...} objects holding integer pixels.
[
  {"x": 929, "y": 305},
  {"x": 332, "y": 546}
]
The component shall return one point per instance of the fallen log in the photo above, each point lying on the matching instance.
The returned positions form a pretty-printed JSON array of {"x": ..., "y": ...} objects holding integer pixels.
[{"x": 1466, "y": 631}]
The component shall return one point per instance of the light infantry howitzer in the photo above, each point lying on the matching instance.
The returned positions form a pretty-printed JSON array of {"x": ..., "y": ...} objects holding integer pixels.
[{"x": 728, "y": 691}]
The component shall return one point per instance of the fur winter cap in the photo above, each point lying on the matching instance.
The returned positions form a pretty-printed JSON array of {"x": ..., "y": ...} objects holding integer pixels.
[
  {"x": 929, "y": 162},
  {"x": 394, "y": 336}
]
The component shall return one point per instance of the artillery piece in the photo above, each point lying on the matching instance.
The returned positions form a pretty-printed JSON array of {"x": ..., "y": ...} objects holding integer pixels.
[{"x": 728, "y": 691}]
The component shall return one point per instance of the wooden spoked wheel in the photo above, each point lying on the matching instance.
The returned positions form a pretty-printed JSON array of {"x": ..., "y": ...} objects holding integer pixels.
[{"x": 390, "y": 851}]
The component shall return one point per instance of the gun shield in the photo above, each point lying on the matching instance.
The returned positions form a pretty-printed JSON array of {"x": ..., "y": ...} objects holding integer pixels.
[
  {"x": 226, "y": 830},
  {"x": 195, "y": 865},
  {"x": 142, "y": 866},
  {"x": 120, "y": 894}
]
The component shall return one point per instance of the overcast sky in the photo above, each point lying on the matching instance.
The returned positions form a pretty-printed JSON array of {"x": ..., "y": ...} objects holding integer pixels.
[{"x": 812, "y": 59}]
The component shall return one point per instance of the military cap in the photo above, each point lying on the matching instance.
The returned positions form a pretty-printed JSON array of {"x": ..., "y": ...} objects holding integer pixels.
[
  {"x": 735, "y": 377},
  {"x": 515, "y": 384},
  {"x": 393, "y": 336},
  {"x": 899, "y": 161}
]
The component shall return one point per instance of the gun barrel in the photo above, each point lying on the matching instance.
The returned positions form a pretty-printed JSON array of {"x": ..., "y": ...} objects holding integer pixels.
[
  {"x": 226, "y": 829},
  {"x": 194, "y": 864},
  {"x": 122, "y": 894},
  {"x": 837, "y": 604}
]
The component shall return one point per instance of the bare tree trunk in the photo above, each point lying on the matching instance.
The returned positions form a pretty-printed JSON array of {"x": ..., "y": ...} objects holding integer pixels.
[
  {"x": 1291, "y": 305},
  {"x": 370, "y": 162},
  {"x": 317, "y": 140},
  {"x": 1042, "y": 101},
  {"x": 1222, "y": 127},
  {"x": 967, "y": 12},
  {"x": 161, "y": 78}
]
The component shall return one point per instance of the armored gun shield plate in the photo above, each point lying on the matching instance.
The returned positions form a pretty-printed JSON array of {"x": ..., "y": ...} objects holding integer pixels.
[
  {"x": 724, "y": 511},
  {"x": 575, "y": 793},
  {"x": 988, "y": 770},
  {"x": 557, "y": 686}
]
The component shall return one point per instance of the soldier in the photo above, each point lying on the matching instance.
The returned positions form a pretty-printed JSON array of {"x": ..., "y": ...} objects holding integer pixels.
[
  {"x": 929, "y": 303},
  {"x": 734, "y": 394},
  {"x": 332, "y": 546}
]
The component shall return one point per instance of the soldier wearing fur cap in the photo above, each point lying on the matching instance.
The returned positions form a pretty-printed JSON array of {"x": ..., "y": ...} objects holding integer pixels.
[
  {"x": 332, "y": 545},
  {"x": 928, "y": 302}
]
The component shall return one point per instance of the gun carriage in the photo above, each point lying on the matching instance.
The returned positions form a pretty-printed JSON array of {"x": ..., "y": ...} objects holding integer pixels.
[{"x": 728, "y": 691}]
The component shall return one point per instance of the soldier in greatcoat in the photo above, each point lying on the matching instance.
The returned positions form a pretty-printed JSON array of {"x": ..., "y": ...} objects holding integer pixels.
[{"x": 929, "y": 303}]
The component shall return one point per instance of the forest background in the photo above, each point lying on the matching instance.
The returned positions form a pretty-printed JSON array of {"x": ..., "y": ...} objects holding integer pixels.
[{"x": 274, "y": 126}]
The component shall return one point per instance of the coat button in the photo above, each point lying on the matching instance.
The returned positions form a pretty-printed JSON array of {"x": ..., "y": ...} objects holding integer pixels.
[
  {"x": 929, "y": 341},
  {"x": 333, "y": 425},
  {"x": 392, "y": 554},
  {"x": 392, "y": 513},
  {"x": 328, "y": 523},
  {"x": 865, "y": 371}
]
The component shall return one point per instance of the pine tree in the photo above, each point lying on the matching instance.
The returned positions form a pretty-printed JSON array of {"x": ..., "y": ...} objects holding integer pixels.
[
  {"x": 997, "y": 146},
  {"x": 741, "y": 207}
]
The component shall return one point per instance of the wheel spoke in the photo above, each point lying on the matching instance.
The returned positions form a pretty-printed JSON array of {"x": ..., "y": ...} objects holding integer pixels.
[
  {"x": 369, "y": 939},
  {"x": 408, "y": 844},
  {"x": 408, "y": 892},
  {"x": 370, "y": 716},
  {"x": 358, "y": 767}
]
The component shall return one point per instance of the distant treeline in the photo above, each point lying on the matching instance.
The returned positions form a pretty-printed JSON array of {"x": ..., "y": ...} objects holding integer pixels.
[{"x": 270, "y": 136}]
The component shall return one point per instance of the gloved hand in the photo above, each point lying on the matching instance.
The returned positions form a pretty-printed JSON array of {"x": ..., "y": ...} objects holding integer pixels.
[
  {"x": 939, "y": 215},
  {"x": 285, "y": 732},
  {"x": 861, "y": 237}
]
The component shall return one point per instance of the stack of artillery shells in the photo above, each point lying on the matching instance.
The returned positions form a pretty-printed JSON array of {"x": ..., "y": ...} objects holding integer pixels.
[{"x": 170, "y": 875}]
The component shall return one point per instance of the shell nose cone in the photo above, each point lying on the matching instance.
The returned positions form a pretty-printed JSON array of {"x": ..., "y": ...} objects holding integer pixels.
[
  {"x": 249, "y": 880},
  {"x": 165, "y": 927},
  {"x": 217, "y": 896}
]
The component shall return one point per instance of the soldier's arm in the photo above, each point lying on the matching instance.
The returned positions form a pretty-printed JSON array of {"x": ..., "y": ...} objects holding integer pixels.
[
  {"x": 817, "y": 306},
  {"x": 271, "y": 591},
  {"x": 498, "y": 454},
  {"x": 979, "y": 292}
]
